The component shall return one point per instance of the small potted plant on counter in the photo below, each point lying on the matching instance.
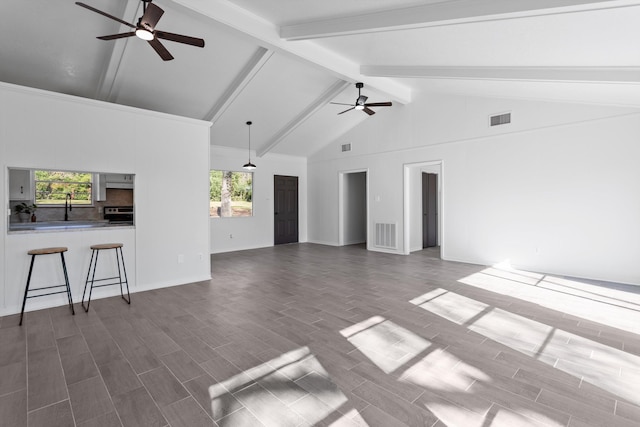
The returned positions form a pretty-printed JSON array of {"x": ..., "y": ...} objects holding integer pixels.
[{"x": 26, "y": 212}]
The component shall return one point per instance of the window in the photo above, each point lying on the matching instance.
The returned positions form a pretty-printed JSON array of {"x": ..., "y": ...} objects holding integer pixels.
[
  {"x": 230, "y": 194},
  {"x": 52, "y": 187}
]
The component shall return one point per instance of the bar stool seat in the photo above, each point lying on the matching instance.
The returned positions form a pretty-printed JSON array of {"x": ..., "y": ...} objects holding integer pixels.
[
  {"x": 95, "y": 251},
  {"x": 47, "y": 251}
]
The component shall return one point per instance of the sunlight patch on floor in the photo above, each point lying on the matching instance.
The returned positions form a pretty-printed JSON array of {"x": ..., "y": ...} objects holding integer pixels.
[
  {"x": 611, "y": 369},
  {"x": 291, "y": 389},
  {"x": 441, "y": 370},
  {"x": 386, "y": 344},
  {"x": 450, "y": 306},
  {"x": 613, "y": 307},
  {"x": 351, "y": 419},
  {"x": 496, "y": 416}
]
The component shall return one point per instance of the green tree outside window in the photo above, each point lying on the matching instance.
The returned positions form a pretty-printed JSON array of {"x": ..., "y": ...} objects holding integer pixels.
[{"x": 230, "y": 194}]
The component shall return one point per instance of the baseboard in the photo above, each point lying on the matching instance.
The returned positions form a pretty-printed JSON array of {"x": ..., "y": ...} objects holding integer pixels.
[
  {"x": 355, "y": 242},
  {"x": 244, "y": 248},
  {"x": 321, "y": 242},
  {"x": 386, "y": 251},
  {"x": 194, "y": 279},
  {"x": 103, "y": 293}
]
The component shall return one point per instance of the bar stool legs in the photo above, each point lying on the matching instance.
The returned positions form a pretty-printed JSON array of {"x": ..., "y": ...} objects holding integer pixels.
[
  {"x": 26, "y": 290},
  {"x": 67, "y": 290},
  {"x": 66, "y": 279},
  {"x": 91, "y": 274}
]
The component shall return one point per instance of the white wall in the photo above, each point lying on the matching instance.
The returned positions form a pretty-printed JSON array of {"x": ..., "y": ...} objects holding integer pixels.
[
  {"x": 257, "y": 231},
  {"x": 556, "y": 191},
  {"x": 354, "y": 200},
  {"x": 169, "y": 156}
]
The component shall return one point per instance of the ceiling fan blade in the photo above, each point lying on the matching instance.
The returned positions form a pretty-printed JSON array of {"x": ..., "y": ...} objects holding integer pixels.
[
  {"x": 93, "y": 9},
  {"x": 369, "y": 111},
  {"x": 117, "y": 36},
  {"x": 193, "y": 41},
  {"x": 339, "y": 103},
  {"x": 378, "y": 104},
  {"x": 348, "y": 109},
  {"x": 160, "y": 49},
  {"x": 152, "y": 15}
]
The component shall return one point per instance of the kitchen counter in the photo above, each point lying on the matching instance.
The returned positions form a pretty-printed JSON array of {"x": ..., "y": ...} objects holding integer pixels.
[
  {"x": 78, "y": 241},
  {"x": 57, "y": 226}
]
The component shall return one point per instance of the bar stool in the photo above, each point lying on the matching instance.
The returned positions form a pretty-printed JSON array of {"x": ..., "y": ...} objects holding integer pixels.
[
  {"x": 94, "y": 263},
  {"x": 67, "y": 290}
]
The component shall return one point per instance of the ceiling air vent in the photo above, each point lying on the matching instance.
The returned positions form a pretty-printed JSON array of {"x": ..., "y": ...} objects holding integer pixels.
[
  {"x": 500, "y": 119},
  {"x": 346, "y": 147}
]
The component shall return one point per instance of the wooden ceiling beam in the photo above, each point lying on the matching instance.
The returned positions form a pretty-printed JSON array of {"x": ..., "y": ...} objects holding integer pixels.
[
  {"x": 253, "y": 66},
  {"x": 553, "y": 74},
  {"x": 267, "y": 35},
  {"x": 108, "y": 78},
  {"x": 311, "y": 109},
  {"x": 439, "y": 14}
]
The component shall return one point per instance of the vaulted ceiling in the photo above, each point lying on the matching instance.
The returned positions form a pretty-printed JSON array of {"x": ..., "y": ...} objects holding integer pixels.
[{"x": 280, "y": 62}]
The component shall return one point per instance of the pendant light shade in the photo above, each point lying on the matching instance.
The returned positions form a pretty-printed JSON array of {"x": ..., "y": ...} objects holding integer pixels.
[{"x": 249, "y": 166}]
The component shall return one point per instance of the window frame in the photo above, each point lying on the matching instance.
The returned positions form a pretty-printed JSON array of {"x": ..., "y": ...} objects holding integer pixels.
[
  {"x": 91, "y": 183},
  {"x": 223, "y": 171}
]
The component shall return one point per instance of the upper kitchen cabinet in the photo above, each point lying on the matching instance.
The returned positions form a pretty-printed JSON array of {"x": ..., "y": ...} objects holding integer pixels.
[
  {"x": 20, "y": 184},
  {"x": 119, "y": 180}
]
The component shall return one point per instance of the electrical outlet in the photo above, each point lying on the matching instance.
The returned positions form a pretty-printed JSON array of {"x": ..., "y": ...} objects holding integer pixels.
[{"x": 180, "y": 259}]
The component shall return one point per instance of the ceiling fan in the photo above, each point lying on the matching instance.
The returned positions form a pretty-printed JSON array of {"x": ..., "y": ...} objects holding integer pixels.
[
  {"x": 146, "y": 29},
  {"x": 361, "y": 103}
]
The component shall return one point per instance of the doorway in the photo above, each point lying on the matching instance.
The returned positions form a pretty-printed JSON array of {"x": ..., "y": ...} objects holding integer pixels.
[
  {"x": 285, "y": 206},
  {"x": 353, "y": 209},
  {"x": 424, "y": 231},
  {"x": 429, "y": 210}
]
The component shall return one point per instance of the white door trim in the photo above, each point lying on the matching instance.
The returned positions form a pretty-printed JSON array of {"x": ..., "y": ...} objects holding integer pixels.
[
  {"x": 341, "y": 207},
  {"x": 406, "y": 250}
]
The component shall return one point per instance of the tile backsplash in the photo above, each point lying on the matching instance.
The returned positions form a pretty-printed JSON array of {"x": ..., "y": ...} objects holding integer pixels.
[{"x": 115, "y": 197}]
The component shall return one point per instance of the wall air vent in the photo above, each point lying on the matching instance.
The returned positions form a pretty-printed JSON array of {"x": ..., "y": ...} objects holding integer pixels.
[
  {"x": 386, "y": 236},
  {"x": 346, "y": 147},
  {"x": 500, "y": 119}
]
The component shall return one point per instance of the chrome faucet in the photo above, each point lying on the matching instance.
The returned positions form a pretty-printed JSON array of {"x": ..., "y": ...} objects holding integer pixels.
[{"x": 67, "y": 207}]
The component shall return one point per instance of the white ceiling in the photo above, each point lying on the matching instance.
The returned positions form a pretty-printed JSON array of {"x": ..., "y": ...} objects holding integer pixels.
[{"x": 280, "y": 62}]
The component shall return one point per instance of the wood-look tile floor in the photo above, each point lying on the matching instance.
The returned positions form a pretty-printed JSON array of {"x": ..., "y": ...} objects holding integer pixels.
[{"x": 303, "y": 335}]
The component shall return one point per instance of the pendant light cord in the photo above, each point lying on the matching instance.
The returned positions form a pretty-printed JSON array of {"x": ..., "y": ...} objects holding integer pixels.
[
  {"x": 249, "y": 165},
  {"x": 249, "y": 125}
]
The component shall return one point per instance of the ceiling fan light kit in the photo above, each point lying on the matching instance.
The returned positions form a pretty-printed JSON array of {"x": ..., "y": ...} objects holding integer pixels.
[
  {"x": 361, "y": 103},
  {"x": 144, "y": 34},
  {"x": 146, "y": 29}
]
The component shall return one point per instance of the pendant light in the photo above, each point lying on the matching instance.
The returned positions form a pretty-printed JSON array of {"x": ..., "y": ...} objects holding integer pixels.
[{"x": 249, "y": 166}]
